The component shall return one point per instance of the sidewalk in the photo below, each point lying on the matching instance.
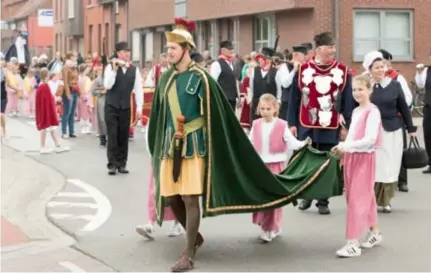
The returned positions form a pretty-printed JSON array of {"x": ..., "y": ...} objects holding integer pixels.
[{"x": 26, "y": 188}]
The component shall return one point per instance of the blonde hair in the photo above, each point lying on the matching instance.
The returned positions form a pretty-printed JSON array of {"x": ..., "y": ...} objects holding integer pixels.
[
  {"x": 44, "y": 74},
  {"x": 364, "y": 79},
  {"x": 269, "y": 98},
  {"x": 30, "y": 72}
]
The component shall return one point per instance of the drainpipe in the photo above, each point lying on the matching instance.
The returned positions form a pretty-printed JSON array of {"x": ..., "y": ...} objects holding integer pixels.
[
  {"x": 113, "y": 26},
  {"x": 336, "y": 25}
]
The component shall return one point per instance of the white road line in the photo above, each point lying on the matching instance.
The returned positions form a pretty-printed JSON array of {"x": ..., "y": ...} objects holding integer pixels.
[
  {"x": 53, "y": 204},
  {"x": 104, "y": 208},
  {"x": 71, "y": 266},
  {"x": 73, "y": 194},
  {"x": 65, "y": 216}
]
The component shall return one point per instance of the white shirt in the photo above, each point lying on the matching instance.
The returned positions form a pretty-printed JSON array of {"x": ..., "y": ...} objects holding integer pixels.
[
  {"x": 284, "y": 79},
  {"x": 291, "y": 141},
  {"x": 406, "y": 89},
  {"x": 421, "y": 78},
  {"x": 149, "y": 81},
  {"x": 109, "y": 81},
  {"x": 215, "y": 71},
  {"x": 368, "y": 142}
]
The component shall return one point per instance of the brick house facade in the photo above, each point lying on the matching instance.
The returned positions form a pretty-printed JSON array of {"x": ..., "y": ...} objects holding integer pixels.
[
  {"x": 101, "y": 29},
  {"x": 400, "y": 26},
  {"x": 22, "y": 15}
]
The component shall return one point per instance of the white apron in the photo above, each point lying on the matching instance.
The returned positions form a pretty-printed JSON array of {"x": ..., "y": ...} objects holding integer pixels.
[{"x": 389, "y": 156}]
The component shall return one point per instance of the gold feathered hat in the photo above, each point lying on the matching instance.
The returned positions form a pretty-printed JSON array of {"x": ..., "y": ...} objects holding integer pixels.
[{"x": 182, "y": 32}]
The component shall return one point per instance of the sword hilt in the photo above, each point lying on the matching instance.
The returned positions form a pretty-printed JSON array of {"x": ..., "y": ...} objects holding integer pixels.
[{"x": 180, "y": 130}]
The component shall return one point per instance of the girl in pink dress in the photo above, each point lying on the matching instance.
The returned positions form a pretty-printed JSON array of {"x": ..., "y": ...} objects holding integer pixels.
[
  {"x": 85, "y": 98},
  {"x": 363, "y": 138},
  {"x": 147, "y": 230},
  {"x": 272, "y": 140},
  {"x": 30, "y": 93}
]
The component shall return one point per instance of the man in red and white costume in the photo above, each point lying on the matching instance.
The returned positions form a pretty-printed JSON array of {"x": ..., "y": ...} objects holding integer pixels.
[{"x": 321, "y": 102}]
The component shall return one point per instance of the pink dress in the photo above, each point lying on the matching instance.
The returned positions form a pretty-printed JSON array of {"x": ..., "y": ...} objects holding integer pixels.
[
  {"x": 168, "y": 214},
  {"x": 364, "y": 137},
  {"x": 30, "y": 84},
  {"x": 271, "y": 141},
  {"x": 85, "y": 99}
]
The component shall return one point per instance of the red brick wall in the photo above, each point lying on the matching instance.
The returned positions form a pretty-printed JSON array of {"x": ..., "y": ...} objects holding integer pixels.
[
  {"x": 39, "y": 36},
  {"x": 148, "y": 13},
  {"x": 421, "y": 31}
]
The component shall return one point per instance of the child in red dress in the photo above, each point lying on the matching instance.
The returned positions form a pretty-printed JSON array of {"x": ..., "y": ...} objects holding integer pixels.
[{"x": 46, "y": 115}]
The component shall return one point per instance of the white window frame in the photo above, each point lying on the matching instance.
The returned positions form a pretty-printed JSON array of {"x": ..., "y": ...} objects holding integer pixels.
[
  {"x": 117, "y": 7},
  {"x": 382, "y": 16},
  {"x": 236, "y": 31},
  {"x": 180, "y": 8},
  {"x": 271, "y": 31},
  {"x": 71, "y": 9}
]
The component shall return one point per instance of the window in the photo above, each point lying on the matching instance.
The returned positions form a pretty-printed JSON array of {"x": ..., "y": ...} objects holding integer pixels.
[
  {"x": 391, "y": 30},
  {"x": 181, "y": 8},
  {"x": 136, "y": 46},
  {"x": 117, "y": 7},
  {"x": 70, "y": 9},
  {"x": 264, "y": 31},
  {"x": 117, "y": 33},
  {"x": 90, "y": 35},
  {"x": 107, "y": 38},
  {"x": 233, "y": 33},
  {"x": 163, "y": 43}
]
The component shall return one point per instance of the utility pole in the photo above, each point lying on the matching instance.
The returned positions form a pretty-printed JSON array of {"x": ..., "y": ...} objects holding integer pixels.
[{"x": 113, "y": 25}]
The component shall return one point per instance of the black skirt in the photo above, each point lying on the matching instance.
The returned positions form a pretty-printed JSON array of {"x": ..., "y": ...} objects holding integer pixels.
[{"x": 3, "y": 105}]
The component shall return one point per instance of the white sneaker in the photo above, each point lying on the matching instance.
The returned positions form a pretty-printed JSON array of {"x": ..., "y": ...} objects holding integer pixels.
[
  {"x": 387, "y": 209},
  {"x": 351, "y": 249},
  {"x": 275, "y": 234},
  {"x": 176, "y": 230},
  {"x": 45, "y": 151},
  {"x": 373, "y": 239},
  {"x": 265, "y": 236},
  {"x": 62, "y": 149},
  {"x": 146, "y": 231}
]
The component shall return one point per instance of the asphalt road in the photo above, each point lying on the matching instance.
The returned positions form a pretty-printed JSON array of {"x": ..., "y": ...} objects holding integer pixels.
[{"x": 308, "y": 242}]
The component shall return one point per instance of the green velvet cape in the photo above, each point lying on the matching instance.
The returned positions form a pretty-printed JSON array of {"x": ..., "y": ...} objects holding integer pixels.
[{"x": 237, "y": 180}]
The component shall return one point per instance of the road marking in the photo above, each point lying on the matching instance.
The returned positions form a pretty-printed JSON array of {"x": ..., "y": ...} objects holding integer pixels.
[
  {"x": 104, "y": 208},
  {"x": 65, "y": 216},
  {"x": 71, "y": 266},
  {"x": 71, "y": 205},
  {"x": 73, "y": 194}
]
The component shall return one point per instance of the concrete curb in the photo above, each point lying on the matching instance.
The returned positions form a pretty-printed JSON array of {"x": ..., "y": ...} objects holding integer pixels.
[{"x": 27, "y": 186}]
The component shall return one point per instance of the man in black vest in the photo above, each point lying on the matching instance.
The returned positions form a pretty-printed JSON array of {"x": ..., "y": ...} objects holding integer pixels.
[
  {"x": 262, "y": 80},
  {"x": 222, "y": 71},
  {"x": 289, "y": 70},
  {"x": 423, "y": 80},
  {"x": 120, "y": 80}
]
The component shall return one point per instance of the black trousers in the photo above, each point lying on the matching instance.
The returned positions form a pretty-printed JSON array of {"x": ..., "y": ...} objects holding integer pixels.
[
  {"x": 323, "y": 147},
  {"x": 117, "y": 127},
  {"x": 427, "y": 131},
  {"x": 283, "y": 110},
  {"x": 233, "y": 104},
  {"x": 402, "y": 177},
  {"x": 254, "y": 113}
]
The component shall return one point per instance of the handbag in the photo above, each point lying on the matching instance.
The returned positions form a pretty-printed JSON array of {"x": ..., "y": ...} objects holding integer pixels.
[{"x": 414, "y": 157}]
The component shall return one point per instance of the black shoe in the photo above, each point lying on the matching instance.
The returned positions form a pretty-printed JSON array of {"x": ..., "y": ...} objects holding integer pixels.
[
  {"x": 403, "y": 188},
  {"x": 305, "y": 204},
  {"x": 112, "y": 171},
  {"x": 324, "y": 210},
  {"x": 427, "y": 171},
  {"x": 123, "y": 170},
  {"x": 72, "y": 136},
  {"x": 103, "y": 141}
]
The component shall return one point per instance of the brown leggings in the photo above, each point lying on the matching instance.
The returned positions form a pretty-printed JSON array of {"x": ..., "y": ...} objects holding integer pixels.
[{"x": 187, "y": 211}]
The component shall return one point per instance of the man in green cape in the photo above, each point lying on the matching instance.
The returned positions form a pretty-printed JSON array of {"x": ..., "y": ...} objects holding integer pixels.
[{"x": 199, "y": 149}]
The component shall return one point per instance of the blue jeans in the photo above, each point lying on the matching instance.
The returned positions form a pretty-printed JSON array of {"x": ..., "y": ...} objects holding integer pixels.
[{"x": 69, "y": 110}]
